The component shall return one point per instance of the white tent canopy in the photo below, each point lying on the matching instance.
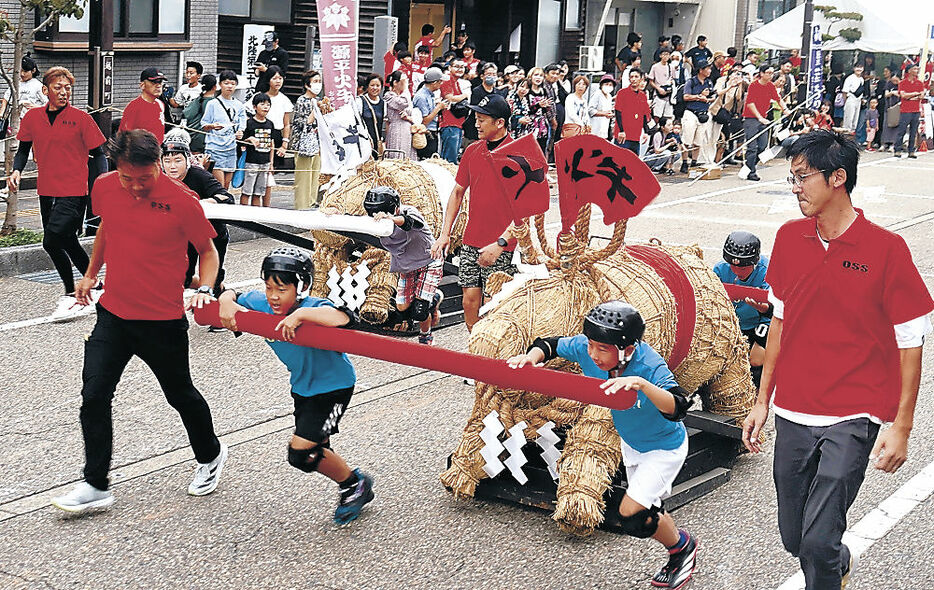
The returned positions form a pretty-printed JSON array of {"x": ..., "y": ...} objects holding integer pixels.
[{"x": 894, "y": 26}]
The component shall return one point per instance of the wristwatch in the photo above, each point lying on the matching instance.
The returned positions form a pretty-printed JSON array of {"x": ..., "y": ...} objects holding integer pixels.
[
  {"x": 206, "y": 290},
  {"x": 502, "y": 242}
]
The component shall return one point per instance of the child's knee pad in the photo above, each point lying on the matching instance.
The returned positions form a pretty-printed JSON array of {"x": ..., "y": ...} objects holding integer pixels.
[
  {"x": 642, "y": 524},
  {"x": 420, "y": 310},
  {"x": 307, "y": 460}
]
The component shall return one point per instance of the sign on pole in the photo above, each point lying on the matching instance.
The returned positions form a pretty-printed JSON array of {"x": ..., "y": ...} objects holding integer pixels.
[
  {"x": 815, "y": 70},
  {"x": 252, "y": 45},
  {"x": 338, "y": 34}
]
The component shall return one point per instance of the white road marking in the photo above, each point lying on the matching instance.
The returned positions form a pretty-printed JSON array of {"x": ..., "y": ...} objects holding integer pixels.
[
  {"x": 881, "y": 519},
  {"x": 915, "y": 168},
  {"x": 90, "y": 310},
  {"x": 927, "y": 197},
  {"x": 910, "y": 222},
  {"x": 697, "y": 219}
]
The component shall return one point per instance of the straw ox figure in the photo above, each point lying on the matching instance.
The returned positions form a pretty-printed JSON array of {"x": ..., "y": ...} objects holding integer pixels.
[{"x": 689, "y": 320}]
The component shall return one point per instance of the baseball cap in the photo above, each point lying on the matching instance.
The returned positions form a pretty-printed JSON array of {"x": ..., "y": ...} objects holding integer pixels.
[
  {"x": 433, "y": 75},
  {"x": 702, "y": 63},
  {"x": 510, "y": 69},
  {"x": 493, "y": 105},
  {"x": 152, "y": 75}
]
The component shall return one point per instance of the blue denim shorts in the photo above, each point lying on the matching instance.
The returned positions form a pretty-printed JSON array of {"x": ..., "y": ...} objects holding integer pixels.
[{"x": 225, "y": 161}]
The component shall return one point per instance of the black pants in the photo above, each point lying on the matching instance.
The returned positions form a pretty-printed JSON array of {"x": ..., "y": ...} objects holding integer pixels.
[
  {"x": 758, "y": 145},
  {"x": 61, "y": 222},
  {"x": 163, "y": 345},
  {"x": 907, "y": 122},
  {"x": 220, "y": 244},
  {"x": 818, "y": 472}
]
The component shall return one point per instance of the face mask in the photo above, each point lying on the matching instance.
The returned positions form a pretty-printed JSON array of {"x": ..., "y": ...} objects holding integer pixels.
[
  {"x": 607, "y": 89},
  {"x": 489, "y": 80},
  {"x": 316, "y": 87}
]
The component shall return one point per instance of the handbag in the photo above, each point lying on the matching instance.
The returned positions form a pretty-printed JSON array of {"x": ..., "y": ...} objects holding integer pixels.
[
  {"x": 240, "y": 173},
  {"x": 380, "y": 144},
  {"x": 419, "y": 141},
  {"x": 722, "y": 117},
  {"x": 893, "y": 115}
]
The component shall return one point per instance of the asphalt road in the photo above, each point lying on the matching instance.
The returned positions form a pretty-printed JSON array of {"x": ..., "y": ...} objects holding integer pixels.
[{"x": 269, "y": 526}]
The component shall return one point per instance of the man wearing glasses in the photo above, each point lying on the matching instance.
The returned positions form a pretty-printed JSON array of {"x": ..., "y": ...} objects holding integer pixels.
[
  {"x": 454, "y": 90},
  {"x": 843, "y": 356}
]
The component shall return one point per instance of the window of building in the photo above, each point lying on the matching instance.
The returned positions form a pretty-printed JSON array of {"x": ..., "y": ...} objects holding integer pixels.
[
  {"x": 133, "y": 20},
  {"x": 258, "y": 11},
  {"x": 572, "y": 16}
]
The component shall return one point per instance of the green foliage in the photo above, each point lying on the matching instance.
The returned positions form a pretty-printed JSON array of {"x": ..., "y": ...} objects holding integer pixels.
[
  {"x": 827, "y": 37},
  {"x": 20, "y": 237},
  {"x": 824, "y": 8},
  {"x": 851, "y": 34}
]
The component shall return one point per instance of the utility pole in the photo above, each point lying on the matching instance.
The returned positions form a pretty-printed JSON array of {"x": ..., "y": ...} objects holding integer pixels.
[
  {"x": 806, "y": 34},
  {"x": 101, "y": 61}
]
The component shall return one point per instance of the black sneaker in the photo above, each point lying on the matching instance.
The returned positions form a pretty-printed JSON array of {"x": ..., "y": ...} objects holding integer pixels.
[
  {"x": 684, "y": 167},
  {"x": 354, "y": 498},
  {"x": 912, "y": 156},
  {"x": 753, "y": 176},
  {"x": 680, "y": 566}
]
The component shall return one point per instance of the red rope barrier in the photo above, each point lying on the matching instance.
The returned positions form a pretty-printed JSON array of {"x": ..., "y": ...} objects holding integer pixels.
[{"x": 494, "y": 371}]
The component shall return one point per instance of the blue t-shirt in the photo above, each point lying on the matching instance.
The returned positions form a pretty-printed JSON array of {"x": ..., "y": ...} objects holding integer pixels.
[
  {"x": 312, "y": 370},
  {"x": 695, "y": 87},
  {"x": 642, "y": 426},
  {"x": 748, "y": 316}
]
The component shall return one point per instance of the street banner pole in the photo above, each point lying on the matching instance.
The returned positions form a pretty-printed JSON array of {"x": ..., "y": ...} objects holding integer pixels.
[
  {"x": 815, "y": 67},
  {"x": 338, "y": 33}
]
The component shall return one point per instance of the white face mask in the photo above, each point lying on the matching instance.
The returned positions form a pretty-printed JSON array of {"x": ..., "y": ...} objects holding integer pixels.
[
  {"x": 607, "y": 89},
  {"x": 316, "y": 87}
]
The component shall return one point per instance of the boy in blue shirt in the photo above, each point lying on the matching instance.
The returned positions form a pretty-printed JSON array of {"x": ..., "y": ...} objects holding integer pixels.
[
  {"x": 744, "y": 265},
  {"x": 409, "y": 245},
  {"x": 322, "y": 380},
  {"x": 654, "y": 440}
]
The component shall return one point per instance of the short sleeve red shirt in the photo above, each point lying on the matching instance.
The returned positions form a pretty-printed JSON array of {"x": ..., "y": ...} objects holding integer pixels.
[
  {"x": 762, "y": 96},
  {"x": 838, "y": 354},
  {"x": 914, "y": 105},
  {"x": 451, "y": 86},
  {"x": 633, "y": 108},
  {"x": 489, "y": 213},
  {"x": 142, "y": 114},
  {"x": 146, "y": 246},
  {"x": 61, "y": 149}
]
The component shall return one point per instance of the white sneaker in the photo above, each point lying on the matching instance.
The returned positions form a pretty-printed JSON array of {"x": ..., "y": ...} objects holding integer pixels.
[
  {"x": 207, "y": 474},
  {"x": 83, "y": 497},
  {"x": 67, "y": 309}
]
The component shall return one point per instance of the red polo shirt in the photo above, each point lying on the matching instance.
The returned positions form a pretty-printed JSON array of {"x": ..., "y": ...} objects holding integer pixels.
[
  {"x": 913, "y": 105},
  {"x": 489, "y": 212},
  {"x": 838, "y": 353},
  {"x": 762, "y": 96},
  {"x": 142, "y": 114},
  {"x": 451, "y": 86},
  {"x": 61, "y": 150},
  {"x": 633, "y": 108},
  {"x": 146, "y": 246}
]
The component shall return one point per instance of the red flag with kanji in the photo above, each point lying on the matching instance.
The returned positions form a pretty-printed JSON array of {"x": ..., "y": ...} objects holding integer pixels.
[
  {"x": 592, "y": 170},
  {"x": 523, "y": 170}
]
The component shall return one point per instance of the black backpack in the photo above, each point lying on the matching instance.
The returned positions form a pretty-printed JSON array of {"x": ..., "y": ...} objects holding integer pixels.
[{"x": 680, "y": 105}]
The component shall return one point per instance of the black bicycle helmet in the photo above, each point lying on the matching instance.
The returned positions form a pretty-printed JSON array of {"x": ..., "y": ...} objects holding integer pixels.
[
  {"x": 741, "y": 249},
  {"x": 289, "y": 260},
  {"x": 381, "y": 199},
  {"x": 616, "y": 323}
]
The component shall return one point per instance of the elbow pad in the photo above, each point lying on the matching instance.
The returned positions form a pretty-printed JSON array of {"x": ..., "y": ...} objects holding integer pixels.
[
  {"x": 354, "y": 319},
  {"x": 683, "y": 402},
  {"x": 549, "y": 346}
]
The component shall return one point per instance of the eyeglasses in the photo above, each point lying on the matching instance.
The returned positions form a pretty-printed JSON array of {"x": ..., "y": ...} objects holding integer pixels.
[{"x": 798, "y": 179}]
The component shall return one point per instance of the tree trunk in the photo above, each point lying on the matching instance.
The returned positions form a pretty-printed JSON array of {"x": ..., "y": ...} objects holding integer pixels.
[{"x": 20, "y": 39}]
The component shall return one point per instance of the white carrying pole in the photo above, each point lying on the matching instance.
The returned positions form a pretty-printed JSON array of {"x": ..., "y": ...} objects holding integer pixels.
[{"x": 302, "y": 219}]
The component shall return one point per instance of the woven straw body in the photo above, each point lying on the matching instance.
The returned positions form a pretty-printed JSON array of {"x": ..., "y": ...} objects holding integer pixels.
[
  {"x": 416, "y": 187},
  {"x": 581, "y": 278}
]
